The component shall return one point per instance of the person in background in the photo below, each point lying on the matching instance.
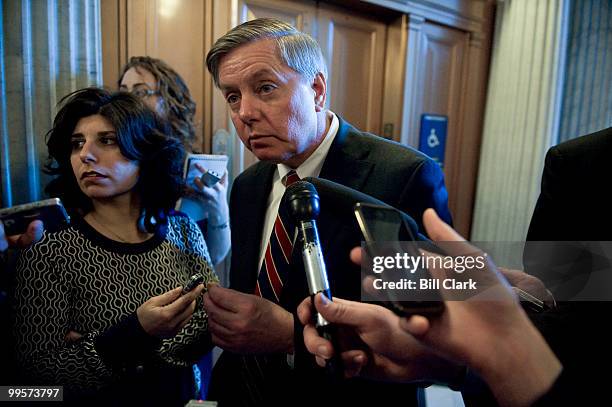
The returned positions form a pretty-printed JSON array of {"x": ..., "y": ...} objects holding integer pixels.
[
  {"x": 572, "y": 217},
  {"x": 493, "y": 337},
  {"x": 163, "y": 90},
  {"x": 98, "y": 304}
]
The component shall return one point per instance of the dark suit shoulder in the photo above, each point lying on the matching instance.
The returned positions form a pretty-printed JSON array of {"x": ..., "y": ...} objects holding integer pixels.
[
  {"x": 585, "y": 147},
  {"x": 381, "y": 149},
  {"x": 581, "y": 160},
  {"x": 254, "y": 170},
  {"x": 395, "y": 160},
  {"x": 399, "y": 175},
  {"x": 571, "y": 205}
]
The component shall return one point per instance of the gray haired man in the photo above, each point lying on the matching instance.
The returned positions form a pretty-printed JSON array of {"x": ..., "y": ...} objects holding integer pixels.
[{"x": 274, "y": 80}]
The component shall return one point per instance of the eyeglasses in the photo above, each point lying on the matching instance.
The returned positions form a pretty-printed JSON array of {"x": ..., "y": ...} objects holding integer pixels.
[{"x": 142, "y": 93}]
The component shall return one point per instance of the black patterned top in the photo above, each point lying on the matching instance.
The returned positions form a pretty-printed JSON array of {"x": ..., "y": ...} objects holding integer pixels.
[{"x": 78, "y": 280}]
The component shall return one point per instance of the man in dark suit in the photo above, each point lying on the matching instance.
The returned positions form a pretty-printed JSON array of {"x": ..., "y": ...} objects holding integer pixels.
[
  {"x": 573, "y": 210},
  {"x": 274, "y": 80},
  {"x": 575, "y": 182}
]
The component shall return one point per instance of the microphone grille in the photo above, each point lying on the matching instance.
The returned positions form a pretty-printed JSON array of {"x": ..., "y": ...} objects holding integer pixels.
[{"x": 300, "y": 186}]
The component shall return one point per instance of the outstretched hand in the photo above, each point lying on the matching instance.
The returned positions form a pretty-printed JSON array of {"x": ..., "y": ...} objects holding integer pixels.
[
  {"x": 165, "y": 315},
  {"x": 373, "y": 344},
  {"x": 493, "y": 335},
  {"x": 32, "y": 235}
]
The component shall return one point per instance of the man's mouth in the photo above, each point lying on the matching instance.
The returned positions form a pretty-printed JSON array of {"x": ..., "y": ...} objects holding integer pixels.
[{"x": 259, "y": 139}]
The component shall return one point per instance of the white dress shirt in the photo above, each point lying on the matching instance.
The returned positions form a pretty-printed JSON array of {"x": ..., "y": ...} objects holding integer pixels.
[{"x": 309, "y": 168}]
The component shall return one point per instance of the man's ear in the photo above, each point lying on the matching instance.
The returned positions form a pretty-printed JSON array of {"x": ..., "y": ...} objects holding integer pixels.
[{"x": 319, "y": 85}]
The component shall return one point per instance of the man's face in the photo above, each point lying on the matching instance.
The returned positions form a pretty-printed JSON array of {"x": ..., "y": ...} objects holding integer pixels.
[{"x": 275, "y": 110}]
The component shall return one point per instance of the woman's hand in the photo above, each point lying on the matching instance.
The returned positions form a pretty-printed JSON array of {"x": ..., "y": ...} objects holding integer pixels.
[
  {"x": 165, "y": 315},
  {"x": 214, "y": 206},
  {"x": 214, "y": 198}
]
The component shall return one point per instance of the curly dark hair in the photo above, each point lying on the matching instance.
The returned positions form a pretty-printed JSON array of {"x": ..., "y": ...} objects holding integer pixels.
[
  {"x": 178, "y": 105},
  {"x": 142, "y": 136}
]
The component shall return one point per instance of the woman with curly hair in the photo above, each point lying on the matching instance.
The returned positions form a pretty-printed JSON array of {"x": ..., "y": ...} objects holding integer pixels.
[
  {"x": 99, "y": 307},
  {"x": 164, "y": 91}
]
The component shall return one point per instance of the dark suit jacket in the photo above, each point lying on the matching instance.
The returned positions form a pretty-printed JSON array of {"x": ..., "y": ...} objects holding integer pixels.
[
  {"x": 388, "y": 171},
  {"x": 573, "y": 208},
  {"x": 575, "y": 205}
]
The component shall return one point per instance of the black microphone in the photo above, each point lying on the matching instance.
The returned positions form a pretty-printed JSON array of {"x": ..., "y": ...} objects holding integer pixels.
[{"x": 302, "y": 202}]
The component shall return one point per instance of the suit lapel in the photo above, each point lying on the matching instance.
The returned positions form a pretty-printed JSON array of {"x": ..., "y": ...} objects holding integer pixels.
[
  {"x": 347, "y": 164},
  {"x": 255, "y": 190}
]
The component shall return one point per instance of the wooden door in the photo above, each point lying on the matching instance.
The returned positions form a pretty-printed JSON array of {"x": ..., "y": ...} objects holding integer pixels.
[
  {"x": 354, "y": 47},
  {"x": 436, "y": 83}
]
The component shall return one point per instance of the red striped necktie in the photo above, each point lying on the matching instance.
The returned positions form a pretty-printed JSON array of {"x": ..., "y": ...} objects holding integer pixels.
[{"x": 275, "y": 267}]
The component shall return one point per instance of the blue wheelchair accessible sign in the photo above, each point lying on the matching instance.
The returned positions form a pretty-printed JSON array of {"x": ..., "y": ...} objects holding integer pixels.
[{"x": 432, "y": 140}]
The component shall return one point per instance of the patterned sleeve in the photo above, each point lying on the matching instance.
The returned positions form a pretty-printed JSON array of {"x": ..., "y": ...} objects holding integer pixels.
[
  {"x": 193, "y": 341},
  {"x": 42, "y": 313},
  {"x": 197, "y": 251}
]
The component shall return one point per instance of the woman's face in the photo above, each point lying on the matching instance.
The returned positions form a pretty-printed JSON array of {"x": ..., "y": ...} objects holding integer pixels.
[
  {"x": 141, "y": 83},
  {"x": 100, "y": 169}
]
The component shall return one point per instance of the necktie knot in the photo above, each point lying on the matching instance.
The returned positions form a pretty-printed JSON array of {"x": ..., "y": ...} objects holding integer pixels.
[{"x": 291, "y": 178}]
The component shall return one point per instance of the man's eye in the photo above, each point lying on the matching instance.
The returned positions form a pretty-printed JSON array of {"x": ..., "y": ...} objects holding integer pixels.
[
  {"x": 267, "y": 88},
  {"x": 231, "y": 99}
]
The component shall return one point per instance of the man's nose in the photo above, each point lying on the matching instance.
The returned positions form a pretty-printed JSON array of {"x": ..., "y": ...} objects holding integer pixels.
[{"x": 249, "y": 109}]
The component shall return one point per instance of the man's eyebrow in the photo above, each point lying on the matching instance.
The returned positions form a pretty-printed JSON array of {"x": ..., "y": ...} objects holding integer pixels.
[
  {"x": 264, "y": 73},
  {"x": 225, "y": 88}
]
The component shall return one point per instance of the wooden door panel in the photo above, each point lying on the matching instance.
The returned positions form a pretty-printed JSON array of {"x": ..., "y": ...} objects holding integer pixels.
[
  {"x": 299, "y": 14},
  {"x": 438, "y": 61},
  {"x": 354, "y": 48},
  {"x": 443, "y": 68}
]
